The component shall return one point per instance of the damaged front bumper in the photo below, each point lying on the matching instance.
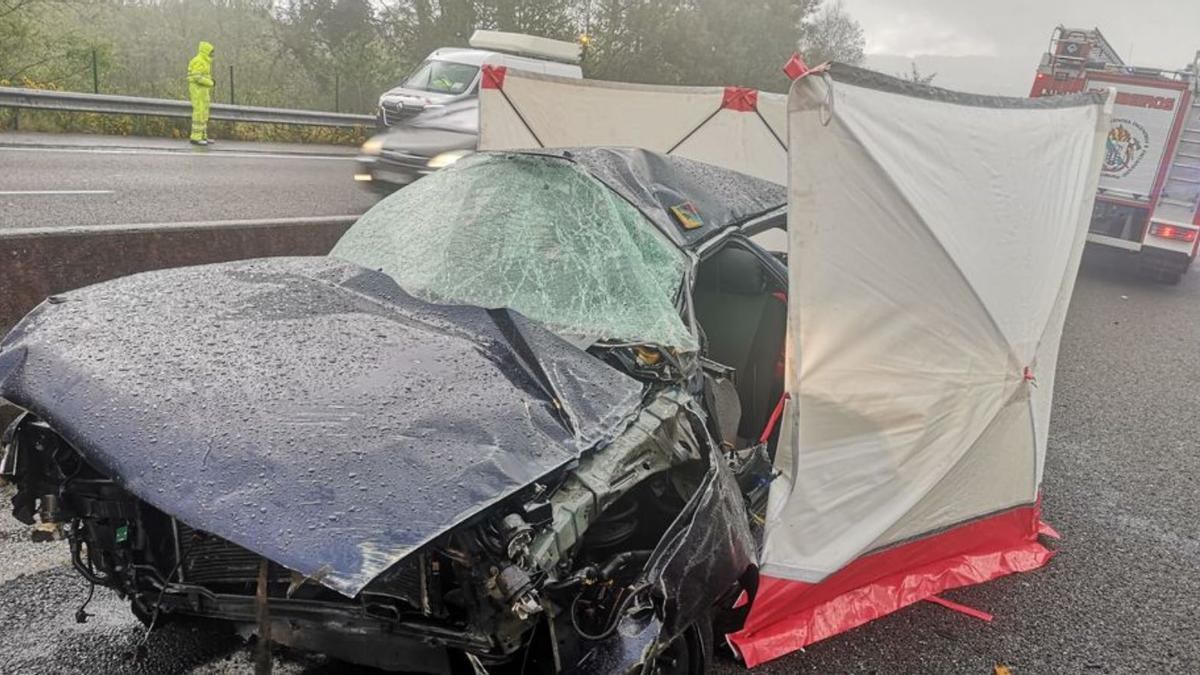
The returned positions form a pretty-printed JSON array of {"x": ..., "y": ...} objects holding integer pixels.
[
  {"x": 380, "y": 521},
  {"x": 342, "y": 630},
  {"x": 411, "y": 618}
]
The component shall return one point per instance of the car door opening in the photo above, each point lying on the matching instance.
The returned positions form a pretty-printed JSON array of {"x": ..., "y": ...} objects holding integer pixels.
[{"x": 741, "y": 308}]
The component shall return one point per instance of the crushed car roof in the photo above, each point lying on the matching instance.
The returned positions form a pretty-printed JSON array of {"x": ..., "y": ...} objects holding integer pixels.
[{"x": 688, "y": 200}]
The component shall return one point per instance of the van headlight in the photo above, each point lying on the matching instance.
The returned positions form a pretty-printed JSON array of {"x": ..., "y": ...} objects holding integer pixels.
[
  {"x": 373, "y": 146},
  {"x": 446, "y": 159}
]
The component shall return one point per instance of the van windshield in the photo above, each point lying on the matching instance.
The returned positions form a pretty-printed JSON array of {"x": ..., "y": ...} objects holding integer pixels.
[{"x": 442, "y": 77}]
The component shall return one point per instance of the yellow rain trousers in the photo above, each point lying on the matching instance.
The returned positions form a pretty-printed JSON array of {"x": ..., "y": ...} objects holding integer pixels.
[{"x": 200, "y": 84}]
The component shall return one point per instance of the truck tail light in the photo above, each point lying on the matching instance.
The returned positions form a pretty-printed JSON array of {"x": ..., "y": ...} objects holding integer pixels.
[{"x": 1173, "y": 232}]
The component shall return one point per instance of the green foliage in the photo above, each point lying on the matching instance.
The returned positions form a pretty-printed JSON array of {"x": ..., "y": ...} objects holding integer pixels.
[
  {"x": 830, "y": 34},
  {"x": 322, "y": 54},
  {"x": 710, "y": 42}
]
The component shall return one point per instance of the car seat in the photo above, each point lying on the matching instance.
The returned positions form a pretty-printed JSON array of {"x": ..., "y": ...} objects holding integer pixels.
[{"x": 744, "y": 319}]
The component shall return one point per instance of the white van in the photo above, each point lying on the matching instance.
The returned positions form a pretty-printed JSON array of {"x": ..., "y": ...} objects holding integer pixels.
[
  {"x": 451, "y": 74},
  {"x": 432, "y": 119}
]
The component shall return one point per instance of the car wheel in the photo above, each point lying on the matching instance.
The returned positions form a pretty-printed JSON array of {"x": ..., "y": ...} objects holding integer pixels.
[{"x": 684, "y": 656}]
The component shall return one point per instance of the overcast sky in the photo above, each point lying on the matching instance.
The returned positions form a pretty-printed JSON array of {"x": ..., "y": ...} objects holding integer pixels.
[{"x": 1009, "y": 36}]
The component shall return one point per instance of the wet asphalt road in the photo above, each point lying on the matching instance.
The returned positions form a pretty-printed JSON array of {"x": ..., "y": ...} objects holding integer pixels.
[
  {"x": 53, "y": 181},
  {"x": 1122, "y": 485}
]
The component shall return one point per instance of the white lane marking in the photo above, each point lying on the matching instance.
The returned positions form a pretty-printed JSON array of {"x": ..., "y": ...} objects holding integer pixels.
[
  {"x": 194, "y": 225},
  {"x": 12, "y": 193},
  {"x": 183, "y": 152}
]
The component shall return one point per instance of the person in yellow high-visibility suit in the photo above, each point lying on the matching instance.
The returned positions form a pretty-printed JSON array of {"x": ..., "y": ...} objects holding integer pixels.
[{"x": 200, "y": 84}]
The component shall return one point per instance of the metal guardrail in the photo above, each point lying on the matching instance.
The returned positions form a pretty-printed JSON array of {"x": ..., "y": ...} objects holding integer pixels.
[{"x": 70, "y": 101}]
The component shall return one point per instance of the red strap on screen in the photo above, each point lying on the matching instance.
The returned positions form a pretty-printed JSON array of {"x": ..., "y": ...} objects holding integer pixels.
[
  {"x": 493, "y": 77},
  {"x": 741, "y": 99},
  {"x": 1045, "y": 530},
  {"x": 962, "y": 609}
]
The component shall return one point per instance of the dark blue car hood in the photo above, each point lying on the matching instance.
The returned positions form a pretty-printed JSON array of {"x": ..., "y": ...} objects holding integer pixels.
[{"x": 308, "y": 409}]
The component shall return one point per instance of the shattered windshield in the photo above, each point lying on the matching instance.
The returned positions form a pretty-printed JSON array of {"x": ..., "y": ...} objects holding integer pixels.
[{"x": 531, "y": 233}]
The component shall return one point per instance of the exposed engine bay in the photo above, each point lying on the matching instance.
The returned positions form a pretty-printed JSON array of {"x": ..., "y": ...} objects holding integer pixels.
[{"x": 574, "y": 555}]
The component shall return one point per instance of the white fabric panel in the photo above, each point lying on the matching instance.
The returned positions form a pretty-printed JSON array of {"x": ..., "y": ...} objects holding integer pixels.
[
  {"x": 773, "y": 108},
  {"x": 991, "y": 477},
  {"x": 500, "y": 128},
  {"x": 566, "y": 112},
  {"x": 884, "y": 299},
  {"x": 1047, "y": 353},
  {"x": 740, "y": 141},
  {"x": 930, "y": 245},
  {"x": 772, "y": 240},
  {"x": 957, "y": 171}
]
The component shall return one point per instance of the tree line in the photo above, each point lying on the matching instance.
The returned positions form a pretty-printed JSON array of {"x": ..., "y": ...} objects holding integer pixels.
[{"x": 316, "y": 54}]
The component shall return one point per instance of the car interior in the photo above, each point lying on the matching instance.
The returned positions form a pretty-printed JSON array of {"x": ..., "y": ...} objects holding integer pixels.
[{"x": 741, "y": 308}]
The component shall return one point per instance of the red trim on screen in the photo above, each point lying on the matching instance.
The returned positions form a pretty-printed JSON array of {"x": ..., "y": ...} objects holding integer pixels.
[
  {"x": 740, "y": 99},
  {"x": 789, "y": 615}
]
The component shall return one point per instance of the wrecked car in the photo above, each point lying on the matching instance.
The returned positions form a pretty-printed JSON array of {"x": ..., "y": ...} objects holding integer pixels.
[{"x": 519, "y": 420}]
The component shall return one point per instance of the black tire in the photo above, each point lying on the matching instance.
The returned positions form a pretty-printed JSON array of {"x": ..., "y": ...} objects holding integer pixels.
[{"x": 684, "y": 656}]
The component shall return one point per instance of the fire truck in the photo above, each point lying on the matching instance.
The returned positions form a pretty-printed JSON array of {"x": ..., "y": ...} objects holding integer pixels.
[{"x": 1149, "y": 197}]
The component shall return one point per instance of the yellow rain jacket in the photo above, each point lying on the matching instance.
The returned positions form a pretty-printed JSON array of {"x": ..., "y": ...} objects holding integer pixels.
[{"x": 200, "y": 84}]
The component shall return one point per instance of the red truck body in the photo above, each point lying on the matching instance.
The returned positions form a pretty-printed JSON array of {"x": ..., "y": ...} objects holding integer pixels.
[{"x": 1149, "y": 198}]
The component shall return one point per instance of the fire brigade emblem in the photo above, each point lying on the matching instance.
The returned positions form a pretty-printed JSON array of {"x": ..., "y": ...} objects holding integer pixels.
[{"x": 1125, "y": 148}]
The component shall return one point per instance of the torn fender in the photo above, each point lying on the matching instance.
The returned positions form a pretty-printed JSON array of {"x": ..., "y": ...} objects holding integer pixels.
[{"x": 708, "y": 550}]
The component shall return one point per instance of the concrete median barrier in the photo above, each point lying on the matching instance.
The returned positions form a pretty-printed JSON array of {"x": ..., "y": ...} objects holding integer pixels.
[{"x": 37, "y": 263}]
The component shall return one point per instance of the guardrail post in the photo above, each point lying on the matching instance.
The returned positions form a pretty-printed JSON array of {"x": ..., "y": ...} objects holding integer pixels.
[{"x": 95, "y": 74}]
